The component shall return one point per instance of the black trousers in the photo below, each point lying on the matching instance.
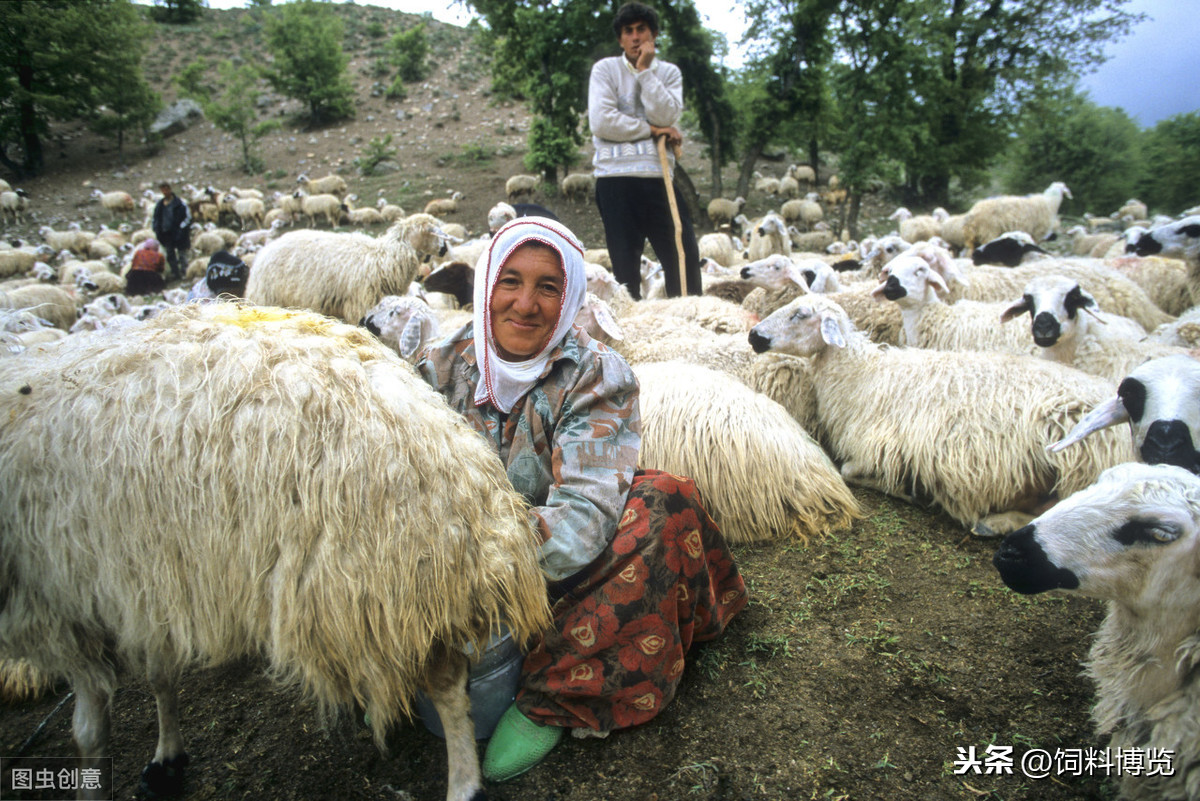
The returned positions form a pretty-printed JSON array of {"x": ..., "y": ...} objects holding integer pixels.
[{"x": 637, "y": 209}]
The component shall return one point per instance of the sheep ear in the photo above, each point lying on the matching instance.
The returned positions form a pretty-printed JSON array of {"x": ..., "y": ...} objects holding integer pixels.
[
  {"x": 939, "y": 283},
  {"x": 412, "y": 336},
  {"x": 1077, "y": 299},
  {"x": 1025, "y": 304},
  {"x": 831, "y": 331},
  {"x": 1109, "y": 413},
  {"x": 795, "y": 276},
  {"x": 602, "y": 314}
]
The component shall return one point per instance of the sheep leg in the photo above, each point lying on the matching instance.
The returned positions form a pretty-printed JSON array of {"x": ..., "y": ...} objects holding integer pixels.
[
  {"x": 860, "y": 476},
  {"x": 90, "y": 726},
  {"x": 1000, "y": 524},
  {"x": 164, "y": 775},
  {"x": 447, "y": 688}
]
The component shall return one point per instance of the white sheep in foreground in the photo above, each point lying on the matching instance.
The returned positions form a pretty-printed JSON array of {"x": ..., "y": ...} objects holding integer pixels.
[
  {"x": 703, "y": 424},
  {"x": 1131, "y": 539},
  {"x": 115, "y": 202},
  {"x": 1036, "y": 215},
  {"x": 1183, "y": 331},
  {"x": 51, "y": 303},
  {"x": 1165, "y": 280},
  {"x": 286, "y": 466},
  {"x": 930, "y": 323},
  {"x": 329, "y": 185},
  {"x": 1161, "y": 402},
  {"x": 965, "y": 430}
]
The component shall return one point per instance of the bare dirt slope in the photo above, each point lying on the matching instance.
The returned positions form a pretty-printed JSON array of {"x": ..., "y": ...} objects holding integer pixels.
[{"x": 863, "y": 663}]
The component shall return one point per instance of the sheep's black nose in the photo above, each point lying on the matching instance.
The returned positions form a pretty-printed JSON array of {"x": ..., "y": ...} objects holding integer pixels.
[
  {"x": 369, "y": 324},
  {"x": 745, "y": 272},
  {"x": 1169, "y": 442},
  {"x": 758, "y": 342},
  {"x": 893, "y": 290},
  {"x": 1046, "y": 330}
]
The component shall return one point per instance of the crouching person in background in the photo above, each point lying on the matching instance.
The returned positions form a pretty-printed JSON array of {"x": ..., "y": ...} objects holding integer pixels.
[
  {"x": 636, "y": 569},
  {"x": 145, "y": 276}
]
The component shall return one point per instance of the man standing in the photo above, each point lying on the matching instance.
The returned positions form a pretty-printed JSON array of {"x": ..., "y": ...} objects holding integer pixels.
[
  {"x": 632, "y": 99},
  {"x": 172, "y": 228}
]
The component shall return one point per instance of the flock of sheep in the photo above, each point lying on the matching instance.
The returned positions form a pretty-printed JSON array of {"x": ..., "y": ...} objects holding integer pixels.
[{"x": 902, "y": 363}]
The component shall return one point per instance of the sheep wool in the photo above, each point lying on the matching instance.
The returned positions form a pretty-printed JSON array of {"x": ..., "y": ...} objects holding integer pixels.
[
  {"x": 312, "y": 488},
  {"x": 760, "y": 474}
]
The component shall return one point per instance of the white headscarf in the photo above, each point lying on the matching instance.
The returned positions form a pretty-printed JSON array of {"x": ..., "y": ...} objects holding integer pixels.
[{"x": 503, "y": 383}]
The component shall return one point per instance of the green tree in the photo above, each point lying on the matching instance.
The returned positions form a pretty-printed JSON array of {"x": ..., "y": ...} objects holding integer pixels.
[
  {"x": 194, "y": 81},
  {"x": 1171, "y": 155},
  {"x": 544, "y": 53},
  {"x": 62, "y": 59},
  {"x": 305, "y": 39},
  {"x": 177, "y": 12},
  {"x": 1066, "y": 137},
  {"x": 409, "y": 50},
  {"x": 233, "y": 111},
  {"x": 129, "y": 104}
]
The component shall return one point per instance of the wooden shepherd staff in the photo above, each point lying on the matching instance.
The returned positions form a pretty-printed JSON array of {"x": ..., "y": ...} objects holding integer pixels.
[{"x": 666, "y": 171}]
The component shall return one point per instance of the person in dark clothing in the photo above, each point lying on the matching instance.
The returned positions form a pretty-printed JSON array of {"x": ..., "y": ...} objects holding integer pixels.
[
  {"x": 145, "y": 270},
  {"x": 172, "y": 228}
]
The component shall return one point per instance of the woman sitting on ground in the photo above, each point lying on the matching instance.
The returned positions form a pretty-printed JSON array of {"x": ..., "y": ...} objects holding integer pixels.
[{"x": 636, "y": 569}]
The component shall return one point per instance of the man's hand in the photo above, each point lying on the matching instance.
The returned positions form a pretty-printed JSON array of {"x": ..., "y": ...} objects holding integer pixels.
[
  {"x": 645, "y": 56},
  {"x": 183, "y": 225},
  {"x": 674, "y": 137}
]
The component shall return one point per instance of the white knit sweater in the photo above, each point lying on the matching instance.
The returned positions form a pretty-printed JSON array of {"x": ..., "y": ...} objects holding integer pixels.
[{"x": 622, "y": 104}]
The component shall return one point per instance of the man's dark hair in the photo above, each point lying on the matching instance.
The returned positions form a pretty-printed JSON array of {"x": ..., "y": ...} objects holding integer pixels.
[{"x": 635, "y": 12}]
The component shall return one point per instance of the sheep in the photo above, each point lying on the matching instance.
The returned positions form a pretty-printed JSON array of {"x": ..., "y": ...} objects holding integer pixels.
[
  {"x": 367, "y": 215},
  {"x": 1069, "y": 329},
  {"x": 803, "y": 173},
  {"x": 247, "y": 210},
  {"x": 765, "y": 184},
  {"x": 1160, "y": 400},
  {"x": 578, "y": 186},
  {"x": 287, "y": 466},
  {"x": 1009, "y": 249},
  {"x": 807, "y": 211},
  {"x": 1133, "y": 209},
  {"x": 1084, "y": 243},
  {"x": 717, "y": 247},
  {"x": 1036, "y": 215},
  {"x": 12, "y": 204},
  {"x": 115, "y": 202},
  {"x": 767, "y": 236},
  {"x": 325, "y": 205},
  {"x": 1183, "y": 332},
  {"x": 5, "y": 186},
  {"x": 789, "y": 187},
  {"x": 978, "y": 451},
  {"x": 1130, "y": 539},
  {"x": 814, "y": 241},
  {"x": 1180, "y": 239},
  {"x": 722, "y": 210},
  {"x": 651, "y": 338},
  {"x": 19, "y": 261},
  {"x": 439, "y": 207},
  {"x": 929, "y": 323},
  {"x": 329, "y": 185},
  {"x": 712, "y": 428},
  {"x": 918, "y": 227},
  {"x": 341, "y": 275},
  {"x": 403, "y": 323},
  {"x": 98, "y": 282},
  {"x": 73, "y": 239},
  {"x": 53, "y": 304},
  {"x": 520, "y": 185},
  {"x": 245, "y": 193},
  {"x": 389, "y": 211}
]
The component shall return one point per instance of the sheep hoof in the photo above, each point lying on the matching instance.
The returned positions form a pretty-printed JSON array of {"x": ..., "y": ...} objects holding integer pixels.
[
  {"x": 981, "y": 529},
  {"x": 162, "y": 779}
]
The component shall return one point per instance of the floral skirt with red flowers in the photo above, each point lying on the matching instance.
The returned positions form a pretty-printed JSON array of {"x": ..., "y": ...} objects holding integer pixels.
[{"x": 615, "y": 653}]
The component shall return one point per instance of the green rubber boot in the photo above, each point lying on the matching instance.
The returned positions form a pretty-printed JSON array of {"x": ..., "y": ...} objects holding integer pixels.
[{"x": 517, "y": 745}]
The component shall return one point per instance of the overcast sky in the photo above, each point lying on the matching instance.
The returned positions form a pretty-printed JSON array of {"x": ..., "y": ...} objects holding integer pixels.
[{"x": 1152, "y": 74}]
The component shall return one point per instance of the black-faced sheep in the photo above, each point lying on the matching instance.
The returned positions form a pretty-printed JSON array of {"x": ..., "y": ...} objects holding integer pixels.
[
  {"x": 1009, "y": 249},
  {"x": 966, "y": 430},
  {"x": 1132, "y": 539},
  {"x": 1180, "y": 239},
  {"x": 312, "y": 486}
]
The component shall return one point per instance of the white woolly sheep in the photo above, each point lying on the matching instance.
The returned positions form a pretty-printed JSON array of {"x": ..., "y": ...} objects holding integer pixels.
[
  {"x": 244, "y": 193},
  {"x": 578, "y": 186},
  {"x": 814, "y": 241},
  {"x": 389, "y": 211},
  {"x": 339, "y": 274},
  {"x": 765, "y": 184},
  {"x": 712, "y": 428},
  {"x": 1165, "y": 280},
  {"x": 441, "y": 206},
  {"x": 361, "y": 216},
  {"x": 98, "y": 282},
  {"x": 1182, "y": 332},
  {"x": 19, "y": 261},
  {"x": 326, "y": 205},
  {"x": 500, "y": 214},
  {"x": 286, "y": 467},
  {"x": 260, "y": 236},
  {"x": 768, "y": 235},
  {"x": 806, "y": 211},
  {"x": 51, "y": 303},
  {"x": 649, "y": 338},
  {"x": 73, "y": 240},
  {"x": 520, "y": 185},
  {"x": 929, "y": 323},
  {"x": 1160, "y": 400},
  {"x": 1133, "y": 209},
  {"x": 404, "y": 323},
  {"x": 1131, "y": 539},
  {"x": 1036, "y": 215},
  {"x": 789, "y": 187},
  {"x": 13, "y": 204},
  {"x": 1179, "y": 239},
  {"x": 1068, "y": 328},
  {"x": 979, "y": 452},
  {"x": 918, "y": 227},
  {"x": 722, "y": 210},
  {"x": 115, "y": 202},
  {"x": 329, "y": 185},
  {"x": 250, "y": 210},
  {"x": 1096, "y": 245},
  {"x": 718, "y": 247}
]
